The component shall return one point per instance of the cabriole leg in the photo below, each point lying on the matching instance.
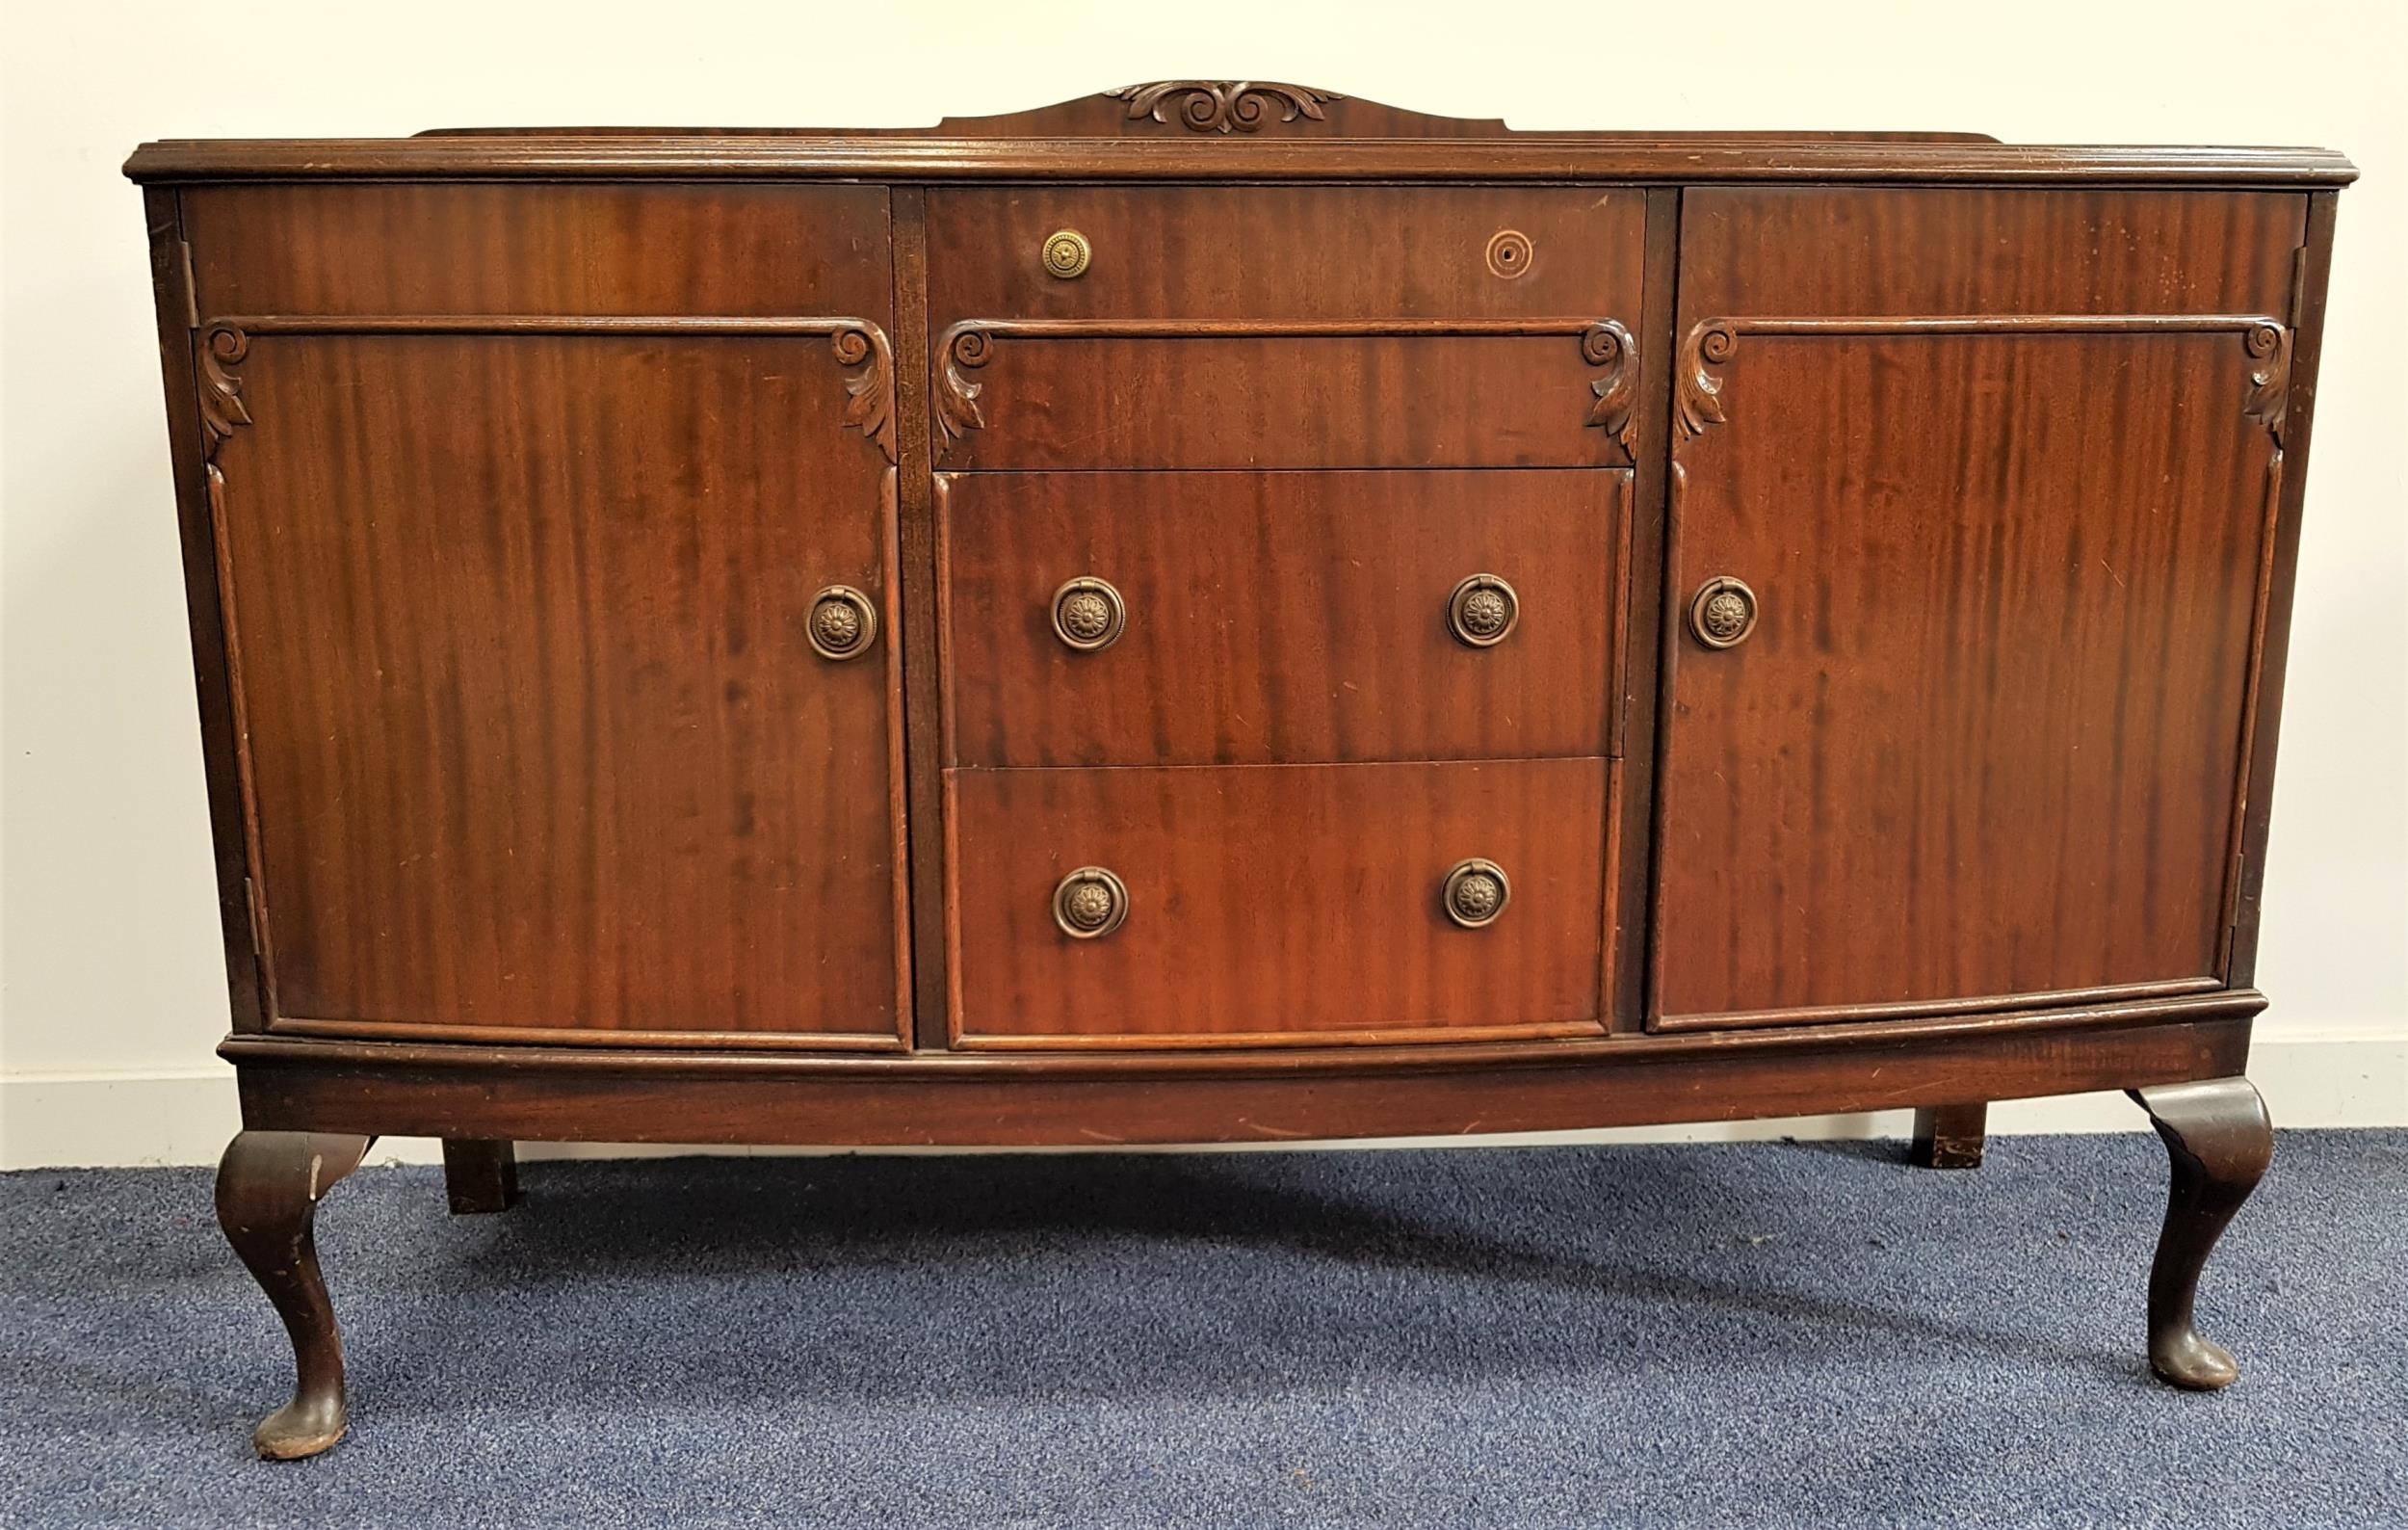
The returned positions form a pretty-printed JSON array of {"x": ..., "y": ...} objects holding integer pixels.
[
  {"x": 269, "y": 1186},
  {"x": 2220, "y": 1140}
]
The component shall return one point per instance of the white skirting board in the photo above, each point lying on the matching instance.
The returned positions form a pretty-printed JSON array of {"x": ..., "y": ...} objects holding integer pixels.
[{"x": 55, "y": 1121}]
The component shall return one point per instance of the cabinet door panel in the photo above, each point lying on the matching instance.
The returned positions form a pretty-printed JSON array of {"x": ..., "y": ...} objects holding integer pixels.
[
  {"x": 1985, "y": 739},
  {"x": 536, "y": 738}
]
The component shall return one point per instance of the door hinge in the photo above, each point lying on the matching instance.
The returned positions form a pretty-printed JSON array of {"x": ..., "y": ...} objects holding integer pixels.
[{"x": 192, "y": 293}]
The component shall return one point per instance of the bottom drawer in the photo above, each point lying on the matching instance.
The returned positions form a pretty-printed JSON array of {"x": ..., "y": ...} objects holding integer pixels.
[{"x": 1266, "y": 905}]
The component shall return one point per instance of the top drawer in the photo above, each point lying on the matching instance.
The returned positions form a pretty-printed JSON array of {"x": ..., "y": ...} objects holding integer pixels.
[
  {"x": 1330, "y": 252},
  {"x": 1266, "y": 328}
]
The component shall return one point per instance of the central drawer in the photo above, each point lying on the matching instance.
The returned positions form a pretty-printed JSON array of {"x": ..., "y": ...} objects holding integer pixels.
[
  {"x": 1268, "y": 326},
  {"x": 1261, "y": 905},
  {"x": 1142, "y": 619}
]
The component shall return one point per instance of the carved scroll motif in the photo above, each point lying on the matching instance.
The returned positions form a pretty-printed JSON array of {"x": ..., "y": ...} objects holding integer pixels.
[
  {"x": 872, "y": 390},
  {"x": 1608, "y": 345},
  {"x": 1697, "y": 391},
  {"x": 2270, "y": 378},
  {"x": 1220, "y": 106},
  {"x": 957, "y": 412},
  {"x": 223, "y": 410}
]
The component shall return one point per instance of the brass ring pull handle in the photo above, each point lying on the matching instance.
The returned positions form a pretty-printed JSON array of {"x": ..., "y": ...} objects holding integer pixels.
[
  {"x": 1482, "y": 610},
  {"x": 1722, "y": 613},
  {"x": 843, "y": 623},
  {"x": 1088, "y": 613},
  {"x": 1090, "y": 903},
  {"x": 1476, "y": 893},
  {"x": 1066, "y": 254}
]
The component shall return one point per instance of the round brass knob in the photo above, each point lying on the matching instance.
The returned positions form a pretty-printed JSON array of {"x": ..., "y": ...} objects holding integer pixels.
[
  {"x": 1090, "y": 903},
  {"x": 1476, "y": 893},
  {"x": 1088, "y": 613},
  {"x": 1482, "y": 610},
  {"x": 1722, "y": 613},
  {"x": 1066, "y": 254},
  {"x": 842, "y": 623}
]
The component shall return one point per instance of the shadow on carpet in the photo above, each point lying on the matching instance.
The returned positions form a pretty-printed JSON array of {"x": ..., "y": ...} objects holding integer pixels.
[{"x": 1732, "y": 1334}]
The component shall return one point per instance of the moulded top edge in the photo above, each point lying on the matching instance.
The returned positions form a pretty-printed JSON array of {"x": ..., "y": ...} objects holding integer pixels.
[{"x": 611, "y": 156}]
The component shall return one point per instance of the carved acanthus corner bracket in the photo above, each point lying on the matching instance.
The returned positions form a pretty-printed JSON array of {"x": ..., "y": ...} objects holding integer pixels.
[
  {"x": 963, "y": 348},
  {"x": 1697, "y": 389},
  {"x": 1608, "y": 345},
  {"x": 223, "y": 411},
  {"x": 872, "y": 390},
  {"x": 1219, "y": 106},
  {"x": 2270, "y": 378}
]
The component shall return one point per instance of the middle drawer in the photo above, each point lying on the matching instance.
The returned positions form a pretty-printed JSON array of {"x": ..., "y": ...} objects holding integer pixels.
[{"x": 1219, "y": 618}]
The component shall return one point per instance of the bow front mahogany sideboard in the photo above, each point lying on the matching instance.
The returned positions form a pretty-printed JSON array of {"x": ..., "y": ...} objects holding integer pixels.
[{"x": 1218, "y": 612}]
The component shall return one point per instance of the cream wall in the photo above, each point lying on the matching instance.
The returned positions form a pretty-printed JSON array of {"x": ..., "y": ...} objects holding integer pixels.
[{"x": 112, "y": 983}]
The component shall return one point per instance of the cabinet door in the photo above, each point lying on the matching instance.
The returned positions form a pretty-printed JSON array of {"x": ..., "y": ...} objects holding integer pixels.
[
  {"x": 1997, "y": 470},
  {"x": 549, "y": 730},
  {"x": 1965, "y": 610}
]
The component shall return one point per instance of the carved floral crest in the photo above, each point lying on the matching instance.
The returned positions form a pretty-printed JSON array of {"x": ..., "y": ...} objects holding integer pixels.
[{"x": 1221, "y": 106}]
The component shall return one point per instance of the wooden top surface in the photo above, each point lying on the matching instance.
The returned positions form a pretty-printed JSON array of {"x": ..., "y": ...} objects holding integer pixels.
[{"x": 1198, "y": 129}]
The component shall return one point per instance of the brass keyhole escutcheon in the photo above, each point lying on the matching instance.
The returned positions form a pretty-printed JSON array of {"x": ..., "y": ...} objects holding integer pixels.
[
  {"x": 1476, "y": 893},
  {"x": 843, "y": 623},
  {"x": 1066, "y": 254},
  {"x": 1482, "y": 610},
  {"x": 1088, "y": 613},
  {"x": 1722, "y": 613},
  {"x": 1090, "y": 903}
]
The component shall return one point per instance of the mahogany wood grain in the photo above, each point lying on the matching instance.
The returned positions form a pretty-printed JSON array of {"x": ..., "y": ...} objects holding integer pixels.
[
  {"x": 1287, "y": 252},
  {"x": 1864, "y": 251},
  {"x": 1984, "y": 740},
  {"x": 534, "y": 731},
  {"x": 1271, "y": 903},
  {"x": 1019, "y": 1100},
  {"x": 923, "y": 658},
  {"x": 1213, "y": 399},
  {"x": 1281, "y": 617},
  {"x": 559, "y": 250},
  {"x": 1642, "y": 625}
]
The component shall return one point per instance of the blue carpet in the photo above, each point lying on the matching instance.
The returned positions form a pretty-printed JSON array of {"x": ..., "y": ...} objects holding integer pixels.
[{"x": 1768, "y": 1335}]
